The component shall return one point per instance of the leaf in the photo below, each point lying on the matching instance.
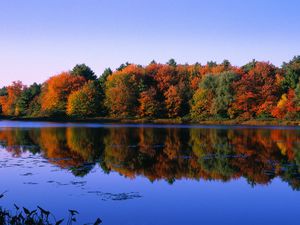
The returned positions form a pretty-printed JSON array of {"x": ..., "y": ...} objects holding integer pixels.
[
  {"x": 32, "y": 212},
  {"x": 73, "y": 212},
  {"x": 2, "y": 195},
  {"x": 59, "y": 222},
  {"x": 26, "y": 211},
  {"x": 17, "y": 207},
  {"x": 21, "y": 216},
  {"x": 98, "y": 221},
  {"x": 43, "y": 211}
]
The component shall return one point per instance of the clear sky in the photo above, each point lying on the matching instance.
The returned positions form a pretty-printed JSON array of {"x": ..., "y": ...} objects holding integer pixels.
[{"x": 40, "y": 38}]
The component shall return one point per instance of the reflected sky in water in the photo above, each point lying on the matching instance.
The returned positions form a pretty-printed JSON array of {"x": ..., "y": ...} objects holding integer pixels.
[{"x": 153, "y": 174}]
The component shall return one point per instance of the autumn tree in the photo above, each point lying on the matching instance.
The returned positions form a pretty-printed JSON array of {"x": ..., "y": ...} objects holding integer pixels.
[
  {"x": 173, "y": 102},
  {"x": 8, "y": 102},
  {"x": 86, "y": 101},
  {"x": 195, "y": 76},
  {"x": 56, "y": 91},
  {"x": 151, "y": 71},
  {"x": 149, "y": 106},
  {"x": 286, "y": 107},
  {"x": 257, "y": 92},
  {"x": 3, "y": 93},
  {"x": 122, "y": 91},
  {"x": 249, "y": 66},
  {"x": 123, "y": 66},
  {"x": 202, "y": 100},
  {"x": 165, "y": 77}
]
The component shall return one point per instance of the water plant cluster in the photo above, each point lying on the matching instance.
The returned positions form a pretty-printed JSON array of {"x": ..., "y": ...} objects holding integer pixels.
[{"x": 38, "y": 216}]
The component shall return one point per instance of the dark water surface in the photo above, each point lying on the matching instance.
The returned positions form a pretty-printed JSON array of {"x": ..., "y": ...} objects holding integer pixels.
[{"x": 151, "y": 174}]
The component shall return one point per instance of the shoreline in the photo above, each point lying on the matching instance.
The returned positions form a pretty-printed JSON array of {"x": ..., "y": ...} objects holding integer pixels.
[{"x": 252, "y": 122}]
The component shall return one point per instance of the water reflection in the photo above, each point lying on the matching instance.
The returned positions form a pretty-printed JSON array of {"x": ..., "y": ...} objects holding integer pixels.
[{"x": 259, "y": 155}]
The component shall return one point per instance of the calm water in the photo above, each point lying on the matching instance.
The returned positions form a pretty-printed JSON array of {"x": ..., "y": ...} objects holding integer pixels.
[{"x": 141, "y": 174}]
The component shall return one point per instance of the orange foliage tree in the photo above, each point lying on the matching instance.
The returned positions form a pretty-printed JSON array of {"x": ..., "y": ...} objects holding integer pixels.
[
  {"x": 173, "y": 102},
  {"x": 122, "y": 91},
  {"x": 56, "y": 91},
  {"x": 8, "y": 102},
  {"x": 166, "y": 76}
]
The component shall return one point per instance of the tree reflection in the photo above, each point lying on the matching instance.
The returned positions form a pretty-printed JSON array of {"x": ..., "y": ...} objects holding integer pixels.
[{"x": 258, "y": 155}]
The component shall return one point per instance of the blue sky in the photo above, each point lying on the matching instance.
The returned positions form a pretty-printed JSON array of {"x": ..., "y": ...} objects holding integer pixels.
[{"x": 42, "y": 38}]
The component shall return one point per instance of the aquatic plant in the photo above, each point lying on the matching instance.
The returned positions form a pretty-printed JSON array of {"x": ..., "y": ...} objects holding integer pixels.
[{"x": 38, "y": 216}]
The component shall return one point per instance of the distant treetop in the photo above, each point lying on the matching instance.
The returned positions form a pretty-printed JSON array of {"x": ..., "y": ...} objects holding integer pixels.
[{"x": 84, "y": 71}]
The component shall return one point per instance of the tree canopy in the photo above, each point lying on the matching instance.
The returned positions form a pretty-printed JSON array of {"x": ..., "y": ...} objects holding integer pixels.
[
  {"x": 84, "y": 71},
  {"x": 172, "y": 90}
]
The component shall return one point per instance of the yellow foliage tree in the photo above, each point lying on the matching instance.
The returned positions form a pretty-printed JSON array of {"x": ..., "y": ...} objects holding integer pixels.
[{"x": 85, "y": 101}]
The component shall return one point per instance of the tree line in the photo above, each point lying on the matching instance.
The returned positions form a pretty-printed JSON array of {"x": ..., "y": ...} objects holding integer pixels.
[{"x": 192, "y": 92}]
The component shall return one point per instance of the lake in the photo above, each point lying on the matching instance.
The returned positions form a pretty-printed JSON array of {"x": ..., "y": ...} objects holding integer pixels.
[{"x": 153, "y": 174}]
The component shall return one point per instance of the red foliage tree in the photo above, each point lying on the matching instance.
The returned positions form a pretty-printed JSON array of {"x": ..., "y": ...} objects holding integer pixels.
[
  {"x": 286, "y": 107},
  {"x": 149, "y": 106},
  {"x": 257, "y": 92}
]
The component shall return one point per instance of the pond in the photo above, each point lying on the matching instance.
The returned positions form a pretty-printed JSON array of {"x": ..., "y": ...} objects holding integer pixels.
[{"x": 153, "y": 174}]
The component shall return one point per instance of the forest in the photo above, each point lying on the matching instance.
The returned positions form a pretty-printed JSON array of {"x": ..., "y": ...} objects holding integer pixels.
[{"x": 257, "y": 90}]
